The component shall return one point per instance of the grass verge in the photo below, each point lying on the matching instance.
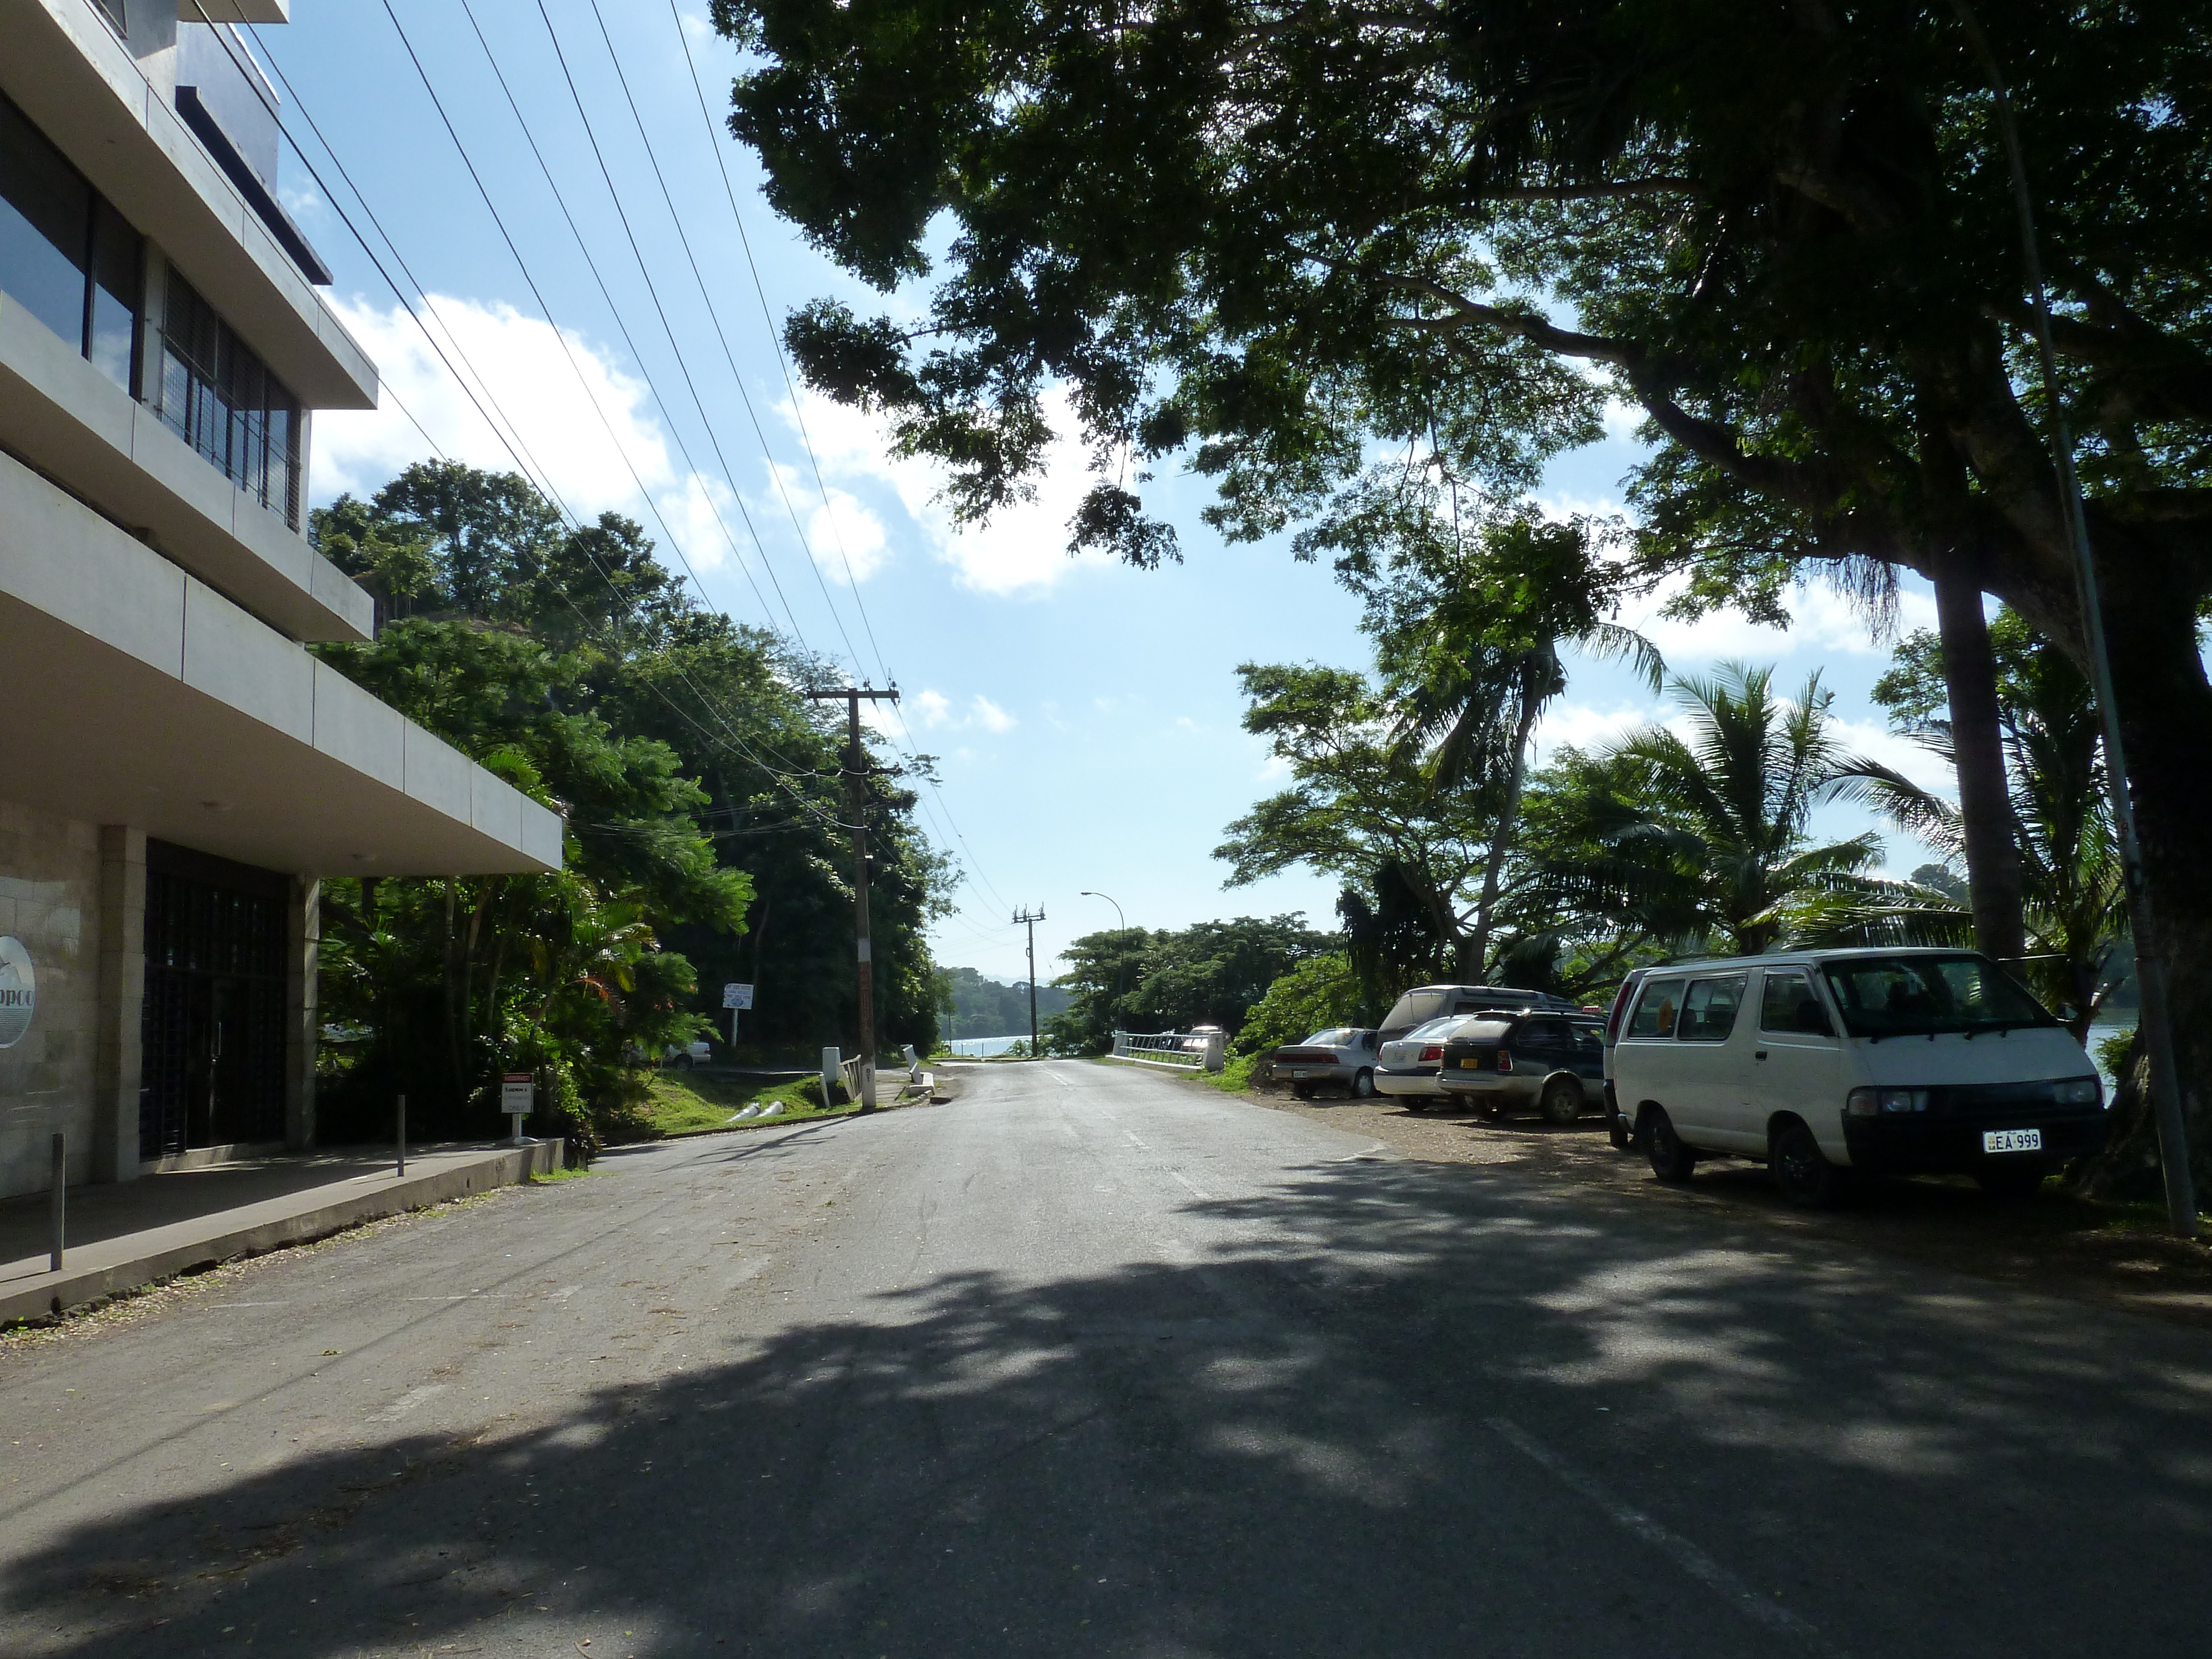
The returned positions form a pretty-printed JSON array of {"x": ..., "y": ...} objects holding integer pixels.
[{"x": 684, "y": 1103}]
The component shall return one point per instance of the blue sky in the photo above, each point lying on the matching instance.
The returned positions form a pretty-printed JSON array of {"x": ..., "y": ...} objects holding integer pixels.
[{"x": 1086, "y": 715}]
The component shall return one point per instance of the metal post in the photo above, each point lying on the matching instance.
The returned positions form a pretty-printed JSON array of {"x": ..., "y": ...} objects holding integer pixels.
[
  {"x": 403, "y": 1135},
  {"x": 57, "y": 1203},
  {"x": 2155, "y": 1026}
]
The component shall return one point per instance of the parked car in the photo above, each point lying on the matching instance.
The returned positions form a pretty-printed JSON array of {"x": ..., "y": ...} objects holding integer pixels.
[
  {"x": 1536, "y": 1061},
  {"x": 1406, "y": 1069},
  {"x": 1902, "y": 1061},
  {"x": 1425, "y": 1003},
  {"x": 1620, "y": 1125},
  {"x": 1343, "y": 1057},
  {"x": 684, "y": 1056}
]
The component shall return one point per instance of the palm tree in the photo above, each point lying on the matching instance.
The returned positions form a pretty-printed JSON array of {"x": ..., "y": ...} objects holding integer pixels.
[
  {"x": 1707, "y": 843},
  {"x": 2076, "y": 909},
  {"x": 1470, "y": 678}
]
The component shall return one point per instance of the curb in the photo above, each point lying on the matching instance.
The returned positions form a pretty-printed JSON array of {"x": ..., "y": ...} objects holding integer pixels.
[{"x": 509, "y": 1168}]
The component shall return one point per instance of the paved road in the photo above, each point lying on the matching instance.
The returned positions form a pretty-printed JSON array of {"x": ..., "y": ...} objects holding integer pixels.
[{"x": 1092, "y": 1363}]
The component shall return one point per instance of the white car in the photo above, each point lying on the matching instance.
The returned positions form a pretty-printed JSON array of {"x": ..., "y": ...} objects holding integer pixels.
[
  {"x": 1902, "y": 1061},
  {"x": 1407, "y": 1068},
  {"x": 684, "y": 1058}
]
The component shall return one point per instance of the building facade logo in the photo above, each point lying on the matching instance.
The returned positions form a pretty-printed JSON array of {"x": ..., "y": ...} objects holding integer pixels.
[{"x": 19, "y": 991}]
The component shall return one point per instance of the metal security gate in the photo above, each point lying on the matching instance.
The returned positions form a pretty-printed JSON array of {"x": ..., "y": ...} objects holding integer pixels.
[{"x": 212, "y": 1057}]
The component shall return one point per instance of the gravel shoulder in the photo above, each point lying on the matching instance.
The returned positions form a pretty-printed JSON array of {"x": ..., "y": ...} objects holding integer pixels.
[{"x": 2109, "y": 1255}]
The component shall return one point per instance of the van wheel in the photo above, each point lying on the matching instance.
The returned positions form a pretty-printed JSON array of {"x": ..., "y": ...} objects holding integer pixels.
[
  {"x": 1362, "y": 1084},
  {"x": 1563, "y": 1101},
  {"x": 1615, "y": 1130},
  {"x": 2010, "y": 1182},
  {"x": 1800, "y": 1168},
  {"x": 1671, "y": 1161}
]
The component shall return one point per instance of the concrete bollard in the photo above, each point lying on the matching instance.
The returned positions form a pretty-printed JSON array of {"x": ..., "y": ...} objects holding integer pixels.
[
  {"x": 57, "y": 1203},
  {"x": 833, "y": 1059}
]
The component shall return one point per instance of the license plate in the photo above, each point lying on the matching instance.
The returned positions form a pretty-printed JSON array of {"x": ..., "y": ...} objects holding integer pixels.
[
  {"x": 2012, "y": 1140},
  {"x": 1297, "y": 1070},
  {"x": 1470, "y": 1064}
]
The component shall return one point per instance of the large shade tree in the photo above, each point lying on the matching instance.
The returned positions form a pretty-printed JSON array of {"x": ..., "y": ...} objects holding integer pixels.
[{"x": 1268, "y": 236}]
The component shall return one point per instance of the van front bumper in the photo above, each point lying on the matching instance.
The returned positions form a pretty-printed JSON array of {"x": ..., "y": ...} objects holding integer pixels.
[{"x": 1929, "y": 1142}]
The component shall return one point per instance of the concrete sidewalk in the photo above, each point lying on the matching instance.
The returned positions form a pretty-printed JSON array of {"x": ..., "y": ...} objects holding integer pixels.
[{"x": 131, "y": 1233}]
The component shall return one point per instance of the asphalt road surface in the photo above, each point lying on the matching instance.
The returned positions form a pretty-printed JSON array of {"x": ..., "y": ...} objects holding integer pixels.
[{"x": 1092, "y": 1361}]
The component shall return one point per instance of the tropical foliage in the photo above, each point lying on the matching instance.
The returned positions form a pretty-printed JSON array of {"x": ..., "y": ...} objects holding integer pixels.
[
  {"x": 1210, "y": 974},
  {"x": 701, "y": 800}
]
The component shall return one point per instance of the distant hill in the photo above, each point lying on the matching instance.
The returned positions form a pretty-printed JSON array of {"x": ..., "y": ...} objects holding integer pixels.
[{"x": 989, "y": 1007}]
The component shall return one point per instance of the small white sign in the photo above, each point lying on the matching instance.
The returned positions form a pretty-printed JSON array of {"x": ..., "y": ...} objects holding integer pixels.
[
  {"x": 517, "y": 1098},
  {"x": 739, "y": 997},
  {"x": 19, "y": 991}
]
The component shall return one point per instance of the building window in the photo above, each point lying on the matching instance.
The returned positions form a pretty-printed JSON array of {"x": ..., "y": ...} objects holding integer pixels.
[
  {"x": 222, "y": 400},
  {"x": 113, "y": 11},
  {"x": 66, "y": 256}
]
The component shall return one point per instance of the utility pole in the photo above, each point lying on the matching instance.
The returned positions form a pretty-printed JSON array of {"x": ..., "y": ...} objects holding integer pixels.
[
  {"x": 1022, "y": 917},
  {"x": 856, "y": 777}
]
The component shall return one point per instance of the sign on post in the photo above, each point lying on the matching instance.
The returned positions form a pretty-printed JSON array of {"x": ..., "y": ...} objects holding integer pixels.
[
  {"x": 737, "y": 997},
  {"x": 518, "y": 1098}
]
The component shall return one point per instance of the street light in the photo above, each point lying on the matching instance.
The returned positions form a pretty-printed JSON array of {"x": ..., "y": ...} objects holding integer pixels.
[{"x": 1121, "y": 956}]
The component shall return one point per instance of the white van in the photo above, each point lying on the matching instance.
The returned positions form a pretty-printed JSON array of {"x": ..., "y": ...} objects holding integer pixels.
[{"x": 1898, "y": 1061}]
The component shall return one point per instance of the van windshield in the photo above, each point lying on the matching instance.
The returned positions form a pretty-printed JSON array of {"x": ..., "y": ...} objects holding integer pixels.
[
  {"x": 1921, "y": 996},
  {"x": 1415, "y": 1008}
]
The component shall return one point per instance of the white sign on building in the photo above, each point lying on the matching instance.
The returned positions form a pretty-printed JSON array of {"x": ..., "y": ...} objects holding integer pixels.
[{"x": 19, "y": 991}]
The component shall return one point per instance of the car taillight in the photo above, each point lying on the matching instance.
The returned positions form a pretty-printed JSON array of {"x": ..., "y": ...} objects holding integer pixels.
[
  {"x": 1434, "y": 1051},
  {"x": 1505, "y": 1061},
  {"x": 1619, "y": 1006}
]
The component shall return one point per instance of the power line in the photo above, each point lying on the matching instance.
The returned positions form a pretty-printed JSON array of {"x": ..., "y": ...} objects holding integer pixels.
[
  {"x": 522, "y": 265},
  {"x": 514, "y": 446}
]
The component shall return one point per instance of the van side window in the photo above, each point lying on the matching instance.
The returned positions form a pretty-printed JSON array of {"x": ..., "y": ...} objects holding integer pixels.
[
  {"x": 1787, "y": 1004},
  {"x": 1657, "y": 1008},
  {"x": 1709, "y": 1009}
]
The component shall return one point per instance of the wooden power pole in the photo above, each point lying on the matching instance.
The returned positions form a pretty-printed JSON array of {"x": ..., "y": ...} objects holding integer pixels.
[
  {"x": 1031, "y": 919},
  {"x": 856, "y": 783}
]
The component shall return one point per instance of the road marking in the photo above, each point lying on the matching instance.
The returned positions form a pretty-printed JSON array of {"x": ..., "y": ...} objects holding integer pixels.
[
  {"x": 1134, "y": 1141},
  {"x": 1677, "y": 1548},
  {"x": 1196, "y": 1191}
]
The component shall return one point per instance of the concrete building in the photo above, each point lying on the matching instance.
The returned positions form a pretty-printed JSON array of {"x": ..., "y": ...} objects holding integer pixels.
[{"x": 177, "y": 772}]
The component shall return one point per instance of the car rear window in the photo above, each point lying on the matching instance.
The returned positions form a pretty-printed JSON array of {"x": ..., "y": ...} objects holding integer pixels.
[
  {"x": 1483, "y": 1031},
  {"x": 1657, "y": 1008},
  {"x": 1414, "y": 1008}
]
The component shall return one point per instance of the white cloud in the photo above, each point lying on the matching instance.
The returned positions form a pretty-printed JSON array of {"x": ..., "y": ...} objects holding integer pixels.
[
  {"x": 933, "y": 707},
  {"x": 1022, "y": 550},
  {"x": 1900, "y": 754},
  {"x": 990, "y": 716},
  {"x": 1820, "y": 617},
  {"x": 585, "y": 426},
  {"x": 1587, "y": 727}
]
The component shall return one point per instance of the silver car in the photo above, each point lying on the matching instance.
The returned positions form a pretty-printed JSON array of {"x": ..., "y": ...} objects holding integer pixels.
[
  {"x": 1341, "y": 1057},
  {"x": 1407, "y": 1065}
]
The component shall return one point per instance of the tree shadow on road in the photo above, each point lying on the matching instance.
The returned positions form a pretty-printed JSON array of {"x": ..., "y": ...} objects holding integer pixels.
[{"x": 1285, "y": 1441}]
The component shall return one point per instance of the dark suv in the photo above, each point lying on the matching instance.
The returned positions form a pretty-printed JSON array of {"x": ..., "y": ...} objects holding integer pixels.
[{"x": 1537, "y": 1061}]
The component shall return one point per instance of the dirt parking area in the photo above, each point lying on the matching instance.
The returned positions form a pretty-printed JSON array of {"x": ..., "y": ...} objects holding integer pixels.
[{"x": 2116, "y": 1255}]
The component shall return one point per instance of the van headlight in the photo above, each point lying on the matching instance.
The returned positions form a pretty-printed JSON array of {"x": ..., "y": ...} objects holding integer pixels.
[
  {"x": 1874, "y": 1103},
  {"x": 2079, "y": 1091}
]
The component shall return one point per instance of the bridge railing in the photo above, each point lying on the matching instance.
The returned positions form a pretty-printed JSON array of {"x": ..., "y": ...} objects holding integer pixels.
[{"x": 1182, "y": 1051}]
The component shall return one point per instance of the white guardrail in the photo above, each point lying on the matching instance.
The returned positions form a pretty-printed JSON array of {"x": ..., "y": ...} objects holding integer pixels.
[{"x": 1184, "y": 1051}]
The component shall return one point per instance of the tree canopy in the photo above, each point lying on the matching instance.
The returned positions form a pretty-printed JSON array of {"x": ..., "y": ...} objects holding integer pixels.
[{"x": 1298, "y": 245}]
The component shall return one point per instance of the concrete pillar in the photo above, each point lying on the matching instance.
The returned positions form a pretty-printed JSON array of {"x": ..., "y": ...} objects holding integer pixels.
[
  {"x": 121, "y": 991},
  {"x": 303, "y": 947}
]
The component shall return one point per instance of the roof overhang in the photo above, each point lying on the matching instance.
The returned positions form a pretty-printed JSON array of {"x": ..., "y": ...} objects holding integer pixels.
[{"x": 131, "y": 693}]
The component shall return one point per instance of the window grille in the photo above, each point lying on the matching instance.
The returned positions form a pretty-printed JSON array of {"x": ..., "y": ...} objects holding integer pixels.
[{"x": 221, "y": 398}]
